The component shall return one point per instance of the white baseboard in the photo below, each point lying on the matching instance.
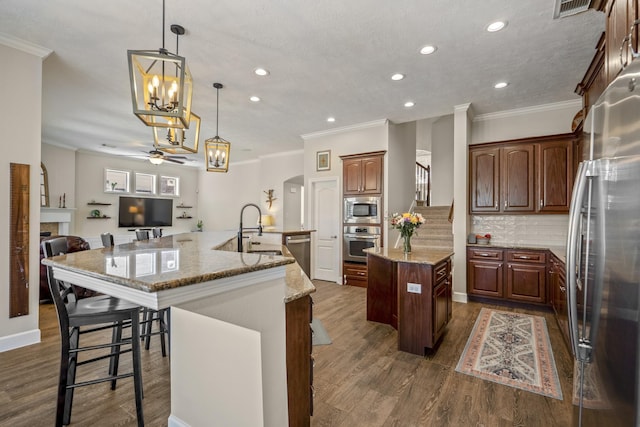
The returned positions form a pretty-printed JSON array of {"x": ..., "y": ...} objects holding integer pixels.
[
  {"x": 460, "y": 297},
  {"x": 22, "y": 339},
  {"x": 176, "y": 422}
]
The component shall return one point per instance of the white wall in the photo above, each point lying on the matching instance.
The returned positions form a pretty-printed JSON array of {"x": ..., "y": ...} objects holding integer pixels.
[
  {"x": 90, "y": 187},
  {"x": 292, "y": 207},
  {"x": 549, "y": 119},
  {"x": 363, "y": 138},
  {"x": 401, "y": 158},
  {"x": 21, "y": 79},
  {"x": 442, "y": 170},
  {"x": 61, "y": 170},
  {"x": 222, "y": 195}
]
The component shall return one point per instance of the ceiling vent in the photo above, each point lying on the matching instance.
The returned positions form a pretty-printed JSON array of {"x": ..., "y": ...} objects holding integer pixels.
[{"x": 565, "y": 8}]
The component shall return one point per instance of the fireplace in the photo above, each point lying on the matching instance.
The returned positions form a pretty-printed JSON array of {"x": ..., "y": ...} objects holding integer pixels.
[{"x": 56, "y": 220}]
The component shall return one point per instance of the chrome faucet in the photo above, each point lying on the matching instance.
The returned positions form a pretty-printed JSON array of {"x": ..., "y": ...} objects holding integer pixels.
[{"x": 259, "y": 228}]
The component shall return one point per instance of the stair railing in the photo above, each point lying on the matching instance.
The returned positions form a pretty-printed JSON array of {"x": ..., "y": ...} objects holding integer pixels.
[{"x": 423, "y": 185}]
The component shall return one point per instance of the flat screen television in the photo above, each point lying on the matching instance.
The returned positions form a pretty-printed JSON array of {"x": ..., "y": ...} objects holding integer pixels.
[{"x": 135, "y": 212}]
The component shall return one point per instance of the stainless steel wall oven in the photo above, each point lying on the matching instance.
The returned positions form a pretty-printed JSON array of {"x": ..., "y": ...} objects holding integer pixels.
[{"x": 356, "y": 239}]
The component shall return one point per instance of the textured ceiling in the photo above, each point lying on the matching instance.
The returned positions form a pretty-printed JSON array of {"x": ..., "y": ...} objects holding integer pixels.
[{"x": 326, "y": 58}]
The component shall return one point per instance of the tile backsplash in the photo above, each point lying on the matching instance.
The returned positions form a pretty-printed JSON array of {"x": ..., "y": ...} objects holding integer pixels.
[{"x": 549, "y": 230}]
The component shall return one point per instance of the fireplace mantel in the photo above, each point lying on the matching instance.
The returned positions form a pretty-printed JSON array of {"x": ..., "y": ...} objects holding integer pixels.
[{"x": 62, "y": 216}]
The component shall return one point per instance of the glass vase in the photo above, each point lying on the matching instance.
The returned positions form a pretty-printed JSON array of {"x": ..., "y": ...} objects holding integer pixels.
[{"x": 407, "y": 243}]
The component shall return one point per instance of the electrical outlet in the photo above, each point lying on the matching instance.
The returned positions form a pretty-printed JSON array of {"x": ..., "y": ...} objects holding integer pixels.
[{"x": 414, "y": 288}]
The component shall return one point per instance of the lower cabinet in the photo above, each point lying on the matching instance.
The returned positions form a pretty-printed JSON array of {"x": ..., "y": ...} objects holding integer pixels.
[
  {"x": 299, "y": 361},
  {"x": 558, "y": 287},
  {"x": 354, "y": 274},
  {"x": 523, "y": 271},
  {"x": 415, "y": 298}
]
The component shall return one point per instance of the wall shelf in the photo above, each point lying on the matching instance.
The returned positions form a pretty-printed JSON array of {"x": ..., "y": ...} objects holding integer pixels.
[
  {"x": 98, "y": 217},
  {"x": 98, "y": 204},
  {"x": 184, "y": 217},
  {"x": 183, "y": 207}
]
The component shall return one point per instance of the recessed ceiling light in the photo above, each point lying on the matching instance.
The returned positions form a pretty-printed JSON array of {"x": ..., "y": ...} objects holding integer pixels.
[
  {"x": 496, "y": 26},
  {"x": 261, "y": 72},
  {"x": 397, "y": 77},
  {"x": 409, "y": 104},
  {"x": 428, "y": 49},
  {"x": 255, "y": 99},
  {"x": 331, "y": 119},
  {"x": 501, "y": 85}
]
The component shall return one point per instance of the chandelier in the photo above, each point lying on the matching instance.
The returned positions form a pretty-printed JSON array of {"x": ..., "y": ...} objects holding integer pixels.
[
  {"x": 216, "y": 150},
  {"x": 178, "y": 141},
  {"x": 161, "y": 84}
]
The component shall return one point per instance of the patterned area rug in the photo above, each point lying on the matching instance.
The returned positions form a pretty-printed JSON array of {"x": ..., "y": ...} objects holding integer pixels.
[{"x": 511, "y": 349}]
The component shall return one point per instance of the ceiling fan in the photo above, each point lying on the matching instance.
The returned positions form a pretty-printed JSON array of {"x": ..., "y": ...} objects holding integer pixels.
[{"x": 157, "y": 157}]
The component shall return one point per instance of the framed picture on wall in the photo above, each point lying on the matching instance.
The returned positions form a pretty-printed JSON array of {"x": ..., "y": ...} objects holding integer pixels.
[
  {"x": 145, "y": 183},
  {"x": 169, "y": 186},
  {"x": 116, "y": 181},
  {"x": 323, "y": 160}
]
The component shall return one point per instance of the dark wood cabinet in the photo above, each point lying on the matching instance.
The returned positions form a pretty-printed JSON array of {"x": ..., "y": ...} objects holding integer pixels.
[
  {"x": 413, "y": 297},
  {"x": 620, "y": 17},
  {"x": 362, "y": 173},
  {"x": 532, "y": 175},
  {"x": 555, "y": 175},
  {"x": 423, "y": 309},
  {"x": 517, "y": 178},
  {"x": 507, "y": 274},
  {"x": 526, "y": 276},
  {"x": 354, "y": 274},
  {"x": 558, "y": 288},
  {"x": 485, "y": 272},
  {"x": 382, "y": 291},
  {"x": 299, "y": 361},
  {"x": 484, "y": 179}
]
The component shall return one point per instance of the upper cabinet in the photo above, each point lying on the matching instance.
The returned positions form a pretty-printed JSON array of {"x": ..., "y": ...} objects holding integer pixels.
[
  {"x": 362, "y": 173},
  {"x": 525, "y": 176}
]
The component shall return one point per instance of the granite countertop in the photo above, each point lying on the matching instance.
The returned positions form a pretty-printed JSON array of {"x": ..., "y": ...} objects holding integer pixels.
[
  {"x": 417, "y": 255},
  {"x": 559, "y": 251},
  {"x": 286, "y": 232},
  {"x": 178, "y": 260}
]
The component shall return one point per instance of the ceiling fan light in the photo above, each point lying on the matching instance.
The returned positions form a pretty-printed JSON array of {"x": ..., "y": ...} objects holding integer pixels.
[{"x": 156, "y": 160}]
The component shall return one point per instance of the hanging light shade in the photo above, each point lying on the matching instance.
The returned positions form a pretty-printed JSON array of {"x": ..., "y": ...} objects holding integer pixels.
[
  {"x": 216, "y": 149},
  {"x": 178, "y": 141},
  {"x": 161, "y": 85}
]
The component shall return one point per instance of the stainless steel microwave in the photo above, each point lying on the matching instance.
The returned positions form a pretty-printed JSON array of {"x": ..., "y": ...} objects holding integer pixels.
[{"x": 362, "y": 210}]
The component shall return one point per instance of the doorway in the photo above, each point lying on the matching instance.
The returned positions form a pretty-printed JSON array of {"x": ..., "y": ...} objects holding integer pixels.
[{"x": 324, "y": 217}]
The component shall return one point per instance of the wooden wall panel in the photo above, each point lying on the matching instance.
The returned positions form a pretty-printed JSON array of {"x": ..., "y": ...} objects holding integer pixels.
[{"x": 19, "y": 241}]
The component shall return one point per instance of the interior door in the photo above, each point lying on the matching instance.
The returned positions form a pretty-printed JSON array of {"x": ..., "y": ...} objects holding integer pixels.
[{"x": 325, "y": 211}]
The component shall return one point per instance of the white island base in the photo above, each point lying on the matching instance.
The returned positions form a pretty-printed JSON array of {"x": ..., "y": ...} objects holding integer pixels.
[{"x": 228, "y": 362}]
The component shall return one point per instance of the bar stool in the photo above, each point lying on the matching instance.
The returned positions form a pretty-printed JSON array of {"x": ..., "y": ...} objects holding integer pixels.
[
  {"x": 148, "y": 315},
  {"x": 157, "y": 232},
  {"x": 107, "y": 240},
  {"x": 142, "y": 234},
  {"x": 77, "y": 317}
]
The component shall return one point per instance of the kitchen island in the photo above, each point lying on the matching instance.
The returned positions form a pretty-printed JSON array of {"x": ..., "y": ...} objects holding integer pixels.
[
  {"x": 411, "y": 292},
  {"x": 228, "y": 319}
]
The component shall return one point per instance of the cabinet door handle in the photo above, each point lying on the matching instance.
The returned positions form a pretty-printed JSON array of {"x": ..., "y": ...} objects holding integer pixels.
[
  {"x": 541, "y": 203},
  {"x": 563, "y": 289},
  {"x": 360, "y": 273},
  {"x": 505, "y": 204},
  {"x": 522, "y": 257},
  {"x": 484, "y": 254},
  {"x": 496, "y": 205}
]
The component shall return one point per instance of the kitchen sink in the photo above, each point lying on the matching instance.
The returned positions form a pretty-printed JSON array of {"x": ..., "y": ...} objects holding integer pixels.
[{"x": 265, "y": 252}]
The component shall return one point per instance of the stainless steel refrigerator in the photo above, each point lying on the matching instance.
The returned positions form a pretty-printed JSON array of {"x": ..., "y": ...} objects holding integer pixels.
[{"x": 603, "y": 259}]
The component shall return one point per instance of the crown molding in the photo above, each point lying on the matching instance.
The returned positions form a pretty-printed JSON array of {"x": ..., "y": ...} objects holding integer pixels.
[
  {"x": 575, "y": 103},
  {"x": 343, "y": 129},
  {"x": 25, "y": 46}
]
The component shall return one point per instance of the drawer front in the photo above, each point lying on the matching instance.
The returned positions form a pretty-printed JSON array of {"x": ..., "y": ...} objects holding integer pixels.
[
  {"x": 355, "y": 271},
  {"x": 485, "y": 253},
  {"x": 441, "y": 272},
  {"x": 526, "y": 256}
]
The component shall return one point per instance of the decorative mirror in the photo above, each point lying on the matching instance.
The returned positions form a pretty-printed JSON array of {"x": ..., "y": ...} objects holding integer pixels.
[{"x": 44, "y": 186}]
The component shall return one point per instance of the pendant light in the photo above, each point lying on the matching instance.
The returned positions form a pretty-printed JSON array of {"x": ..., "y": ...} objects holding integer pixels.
[
  {"x": 161, "y": 84},
  {"x": 216, "y": 149},
  {"x": 174, "y": 140}
]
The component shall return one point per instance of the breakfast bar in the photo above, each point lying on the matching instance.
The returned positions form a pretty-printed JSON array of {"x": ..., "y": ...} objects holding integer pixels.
[
  {"x": 228, "y": 325},
  {"x": 411, "y": 292}
]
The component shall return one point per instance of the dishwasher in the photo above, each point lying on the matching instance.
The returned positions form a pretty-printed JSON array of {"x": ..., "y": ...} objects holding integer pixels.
[{"x": 300, "y": 247}]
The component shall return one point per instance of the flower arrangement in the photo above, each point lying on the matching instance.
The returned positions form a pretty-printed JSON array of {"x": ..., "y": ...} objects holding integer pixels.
[{"x": 407, "y": 223}]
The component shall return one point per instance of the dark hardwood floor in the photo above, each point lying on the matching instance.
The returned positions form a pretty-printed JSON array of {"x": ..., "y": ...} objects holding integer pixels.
[{"x": 360, "y": 379}]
